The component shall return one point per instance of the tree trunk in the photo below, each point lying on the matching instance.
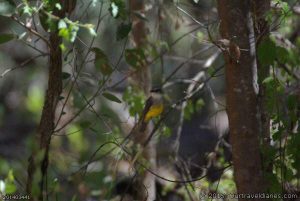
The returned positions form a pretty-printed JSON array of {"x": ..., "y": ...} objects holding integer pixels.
[
  {"x": 146, "y": 181},
  {"x": 242, "y": 95},
  {"x": 262, "y": 30},
  {"x": 40, "y": 155}
]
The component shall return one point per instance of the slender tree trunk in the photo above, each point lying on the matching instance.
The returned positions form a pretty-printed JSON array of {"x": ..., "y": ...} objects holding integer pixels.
[
  {"x": 242, "y": 95},
  {"x": 46, "y": 126},
  {"x": 40, "y": 156},
  {"x": 260, "y": 8},
  {"x": 146, "y": 181},
  {"x": 262, "y": 30}
]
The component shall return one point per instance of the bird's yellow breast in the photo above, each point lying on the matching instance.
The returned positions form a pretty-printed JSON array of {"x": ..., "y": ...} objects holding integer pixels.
[{"x": 154, "y": 111}]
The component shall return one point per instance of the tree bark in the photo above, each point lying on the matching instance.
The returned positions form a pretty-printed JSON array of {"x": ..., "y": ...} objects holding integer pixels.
[
  {"x": 146, "y": 181},
  {"x": 47, "y": 122},
  {"x": 46, "y": 126},
  {"x": 242, "y": 96},
  {"x": 262, "y": 31}
]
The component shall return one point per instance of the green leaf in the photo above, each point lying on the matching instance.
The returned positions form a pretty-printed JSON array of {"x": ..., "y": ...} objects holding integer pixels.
[
  {"x": 10, "y": 188},
  {"x": 166, "y": 131},
  {"x": 92, "y": 31},
  {"x": 68, "y": 33},
  {"x": 7, "y": 8},
  {"x": 6, "y": 37},
  {"x": 101, "y": 61},
  {"x": 118, "y": 9},
  {"x": 114, "y": 9},
  {"x": 62, "y": 47},
  {"x": 275, "y": 186},
  {"x": 199, "y": 104},
  {"x": 73, "y": 29},
  {"x": 268, "y": 80},
  {"x": 286, "y": 10},
  {"x": 10, "y": 176},
  {"x": 135, "y": 58},
  {"x": 62, "y": 24},
  {"x": 123, "y": 31},
  {"x": 210, "y": 71},
  {"x": 135, "y": 99},
  {"x": 9, "y": 183},
  {"x": 65, "y": 75},
  {"x": 78, "y": 100},
  {"x": 27, "y": 10},
  {"x": 64, "y": 32},
  {"x": 48, "y": 23},
  {"x": 85, "y": 124},
  {"x": 58, "y": 6},
  {"x": 282, "y": 54},
  {"x": 111, "y": 97},
  {"x": 267, "y": 52},
  {"x": 292, "y": 102}
]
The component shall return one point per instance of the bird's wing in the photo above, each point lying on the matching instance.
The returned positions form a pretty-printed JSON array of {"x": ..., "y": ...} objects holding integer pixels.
[{"x": 142, "y": 123}]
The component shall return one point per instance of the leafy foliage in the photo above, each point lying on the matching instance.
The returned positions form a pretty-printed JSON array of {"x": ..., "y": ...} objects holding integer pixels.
[
  {"x": 192, "y": 108},
  {"x": 101, "y": 61},
  {"x": 267, "y": 52},
  {"x": 7, "y": 8},
  {"x": 135, "y": 58},
  {"x": 6, "y": 38},
  {"x": 111, "y": 97},
  {"x": 135, "y": 100},
  {"x": 282, "y": 105},
  {"x": 117, "y": 9},
  {"x": 123, "y": 31}
]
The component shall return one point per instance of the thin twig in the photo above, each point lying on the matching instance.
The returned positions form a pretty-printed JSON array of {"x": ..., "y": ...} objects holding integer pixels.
[
  {"x": 286, "y": 69},
  {"x": 31, "y": 30},
  {"x": 23, "y": 64}
]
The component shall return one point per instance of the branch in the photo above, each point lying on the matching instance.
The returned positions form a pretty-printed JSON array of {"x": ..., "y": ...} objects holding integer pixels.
[
  {"x": 157, "y": 57},
  {"x": 14, "y": 18},
  {"x": 23, "y": 64},
  {"x": 286, "y": 69}
]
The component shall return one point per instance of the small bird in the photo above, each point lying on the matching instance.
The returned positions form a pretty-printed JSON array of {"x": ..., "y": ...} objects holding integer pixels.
[
  {"x": 153, "y": 108},
  {"x": 230, "y": 47}
]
